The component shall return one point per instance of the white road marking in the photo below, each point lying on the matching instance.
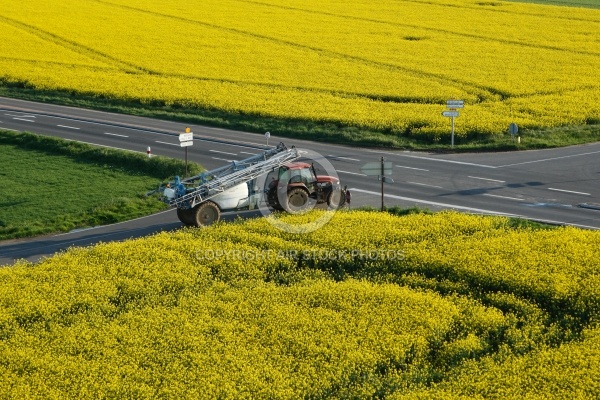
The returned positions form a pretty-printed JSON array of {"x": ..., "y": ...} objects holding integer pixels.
[
  {"x": 486, "y": 179},
  {"x": 433, "y": 203},
  {"x": 424, "y": 184},
  {"x": 245, "y": 145},
  {"x": 149, "y": 130},
  {"x": 115, "y": 134},
  {"x": 417, "y": 169},
  {"x": 222, "y": 159},
  {"x": 550, "y": 159},
  {"x": 20, "y": 115},
  {"x": 449, "y": 161},
  {"x": 8, "y": 129},
  {"x": 68, "y": 127},
  {"x": 343, "y": 158},
  {"x": 569, "y": 191},
  {"x": 503, "y": 197},
  {"x": 167, "y": 143},
  {"x": 351, "y": 173},
  {"x": 245, "y": 152},
  {"x": 23, "y": 119},
  {"x": 223, "y": 152}
]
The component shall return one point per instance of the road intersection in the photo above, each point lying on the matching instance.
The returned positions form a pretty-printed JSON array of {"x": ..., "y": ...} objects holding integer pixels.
[{"x": 543, "y": 185}]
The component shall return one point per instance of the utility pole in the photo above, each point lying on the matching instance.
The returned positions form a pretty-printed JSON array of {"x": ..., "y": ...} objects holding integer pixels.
[{"x": 382, "y": 179}]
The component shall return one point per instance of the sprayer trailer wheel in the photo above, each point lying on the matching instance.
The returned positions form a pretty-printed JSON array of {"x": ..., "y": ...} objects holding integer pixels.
[
  {"x": 206, "y": 214},
  {"x": 186, "y": 216}
]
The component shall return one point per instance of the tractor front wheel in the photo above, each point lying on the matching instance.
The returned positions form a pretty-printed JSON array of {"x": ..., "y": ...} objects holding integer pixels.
[{"x": 336, "y": 199}]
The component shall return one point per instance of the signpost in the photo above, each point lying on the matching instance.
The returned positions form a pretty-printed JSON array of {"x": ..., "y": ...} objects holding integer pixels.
[
  {"x": 452, "y": 105},
  {"x": 268, "y": 135},
  {"x": 379, "y": 169},
  {"x": 185, "y": 140}
]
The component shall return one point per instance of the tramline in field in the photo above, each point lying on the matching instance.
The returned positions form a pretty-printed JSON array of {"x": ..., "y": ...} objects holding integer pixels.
[{"x": 289, "y": 185}]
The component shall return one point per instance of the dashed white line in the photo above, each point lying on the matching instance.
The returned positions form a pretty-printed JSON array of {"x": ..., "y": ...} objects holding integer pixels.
[
  {"x": 449, "y": 161},
  {"x": 222, "y": 159},
  {"x": 417, "y": 169},
  {"x": 223, "y": 152},
  {"x": 23, "y": 119},
  {"x": 351, "y": 173},
  {"x": 167, "y": 143},
  {"x": 68, "y": 127},
  {"x": 486, "y": 179},
  {"x": 550, "y": 159},
  {"x": 503, "y": 197},
  {"x": 424, "y": 184},
  {"x": 115, "y": 134},
  {"x": 569, "y": 191},
  {"x": 8, "y": 129},
  {"x": 343, "y": 158},
  {"x": 245, "y": 152},
  {"x": 20, "y": 115}
]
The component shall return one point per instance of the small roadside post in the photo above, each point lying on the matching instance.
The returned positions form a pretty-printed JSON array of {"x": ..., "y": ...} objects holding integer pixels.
[
  {"x": 452, "y": 113},
  {"x": 379, "y": 169},
  {"x": 267, "y": 136},
  {"x": 514, "y": 129},
  {"x": 185, "y": 140}
]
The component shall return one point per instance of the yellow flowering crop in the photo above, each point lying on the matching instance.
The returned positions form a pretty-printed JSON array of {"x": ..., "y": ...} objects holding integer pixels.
[
  {"x": 386, "y": 65},
  {"x": 371, "y": 305}
]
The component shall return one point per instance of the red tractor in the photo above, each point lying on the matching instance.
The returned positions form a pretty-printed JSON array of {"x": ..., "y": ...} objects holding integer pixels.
[{"x": 296, "y": 187}]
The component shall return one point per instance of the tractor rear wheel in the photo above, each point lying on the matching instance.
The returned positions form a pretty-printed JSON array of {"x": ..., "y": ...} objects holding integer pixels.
[
  {"x": 186, "y": 216},
  {"x": 206, "y": 213},
  {"x": 297, "y": 200},
  {"x": 272, "y": 201}
]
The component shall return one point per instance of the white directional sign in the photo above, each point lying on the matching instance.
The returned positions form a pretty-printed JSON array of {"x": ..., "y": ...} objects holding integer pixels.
[
  {"x": 374, "y": 168},
  {"x": 186, "y": 144},
  {"x": 450, "y": 114},
  {"x": 455, "y": 103},
  {"x": 186, "y": 137}
]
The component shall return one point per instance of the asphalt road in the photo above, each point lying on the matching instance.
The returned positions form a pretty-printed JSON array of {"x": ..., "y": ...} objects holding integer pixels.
[{"x": 544, "y": 185}]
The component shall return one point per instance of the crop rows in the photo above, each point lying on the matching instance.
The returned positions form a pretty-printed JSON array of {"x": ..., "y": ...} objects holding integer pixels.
[
  {"x": 444, "y": 305},
  {"x": 382, "y": 66}
]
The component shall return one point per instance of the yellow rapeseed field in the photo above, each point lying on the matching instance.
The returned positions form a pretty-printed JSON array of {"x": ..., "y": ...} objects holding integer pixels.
[
  {"x": 423, "y": 306},
  {"x": 387, "y": 65}
]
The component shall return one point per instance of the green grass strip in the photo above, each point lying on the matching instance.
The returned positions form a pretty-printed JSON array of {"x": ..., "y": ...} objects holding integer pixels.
[{"x": 52, "y": 185}]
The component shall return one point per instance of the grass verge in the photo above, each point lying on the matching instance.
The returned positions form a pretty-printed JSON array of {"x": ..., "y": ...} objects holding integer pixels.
[
  {"x": 53, "y": 185},
  {"x": 320, "y": 131},
  {"x": 566, "y": 3}
]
